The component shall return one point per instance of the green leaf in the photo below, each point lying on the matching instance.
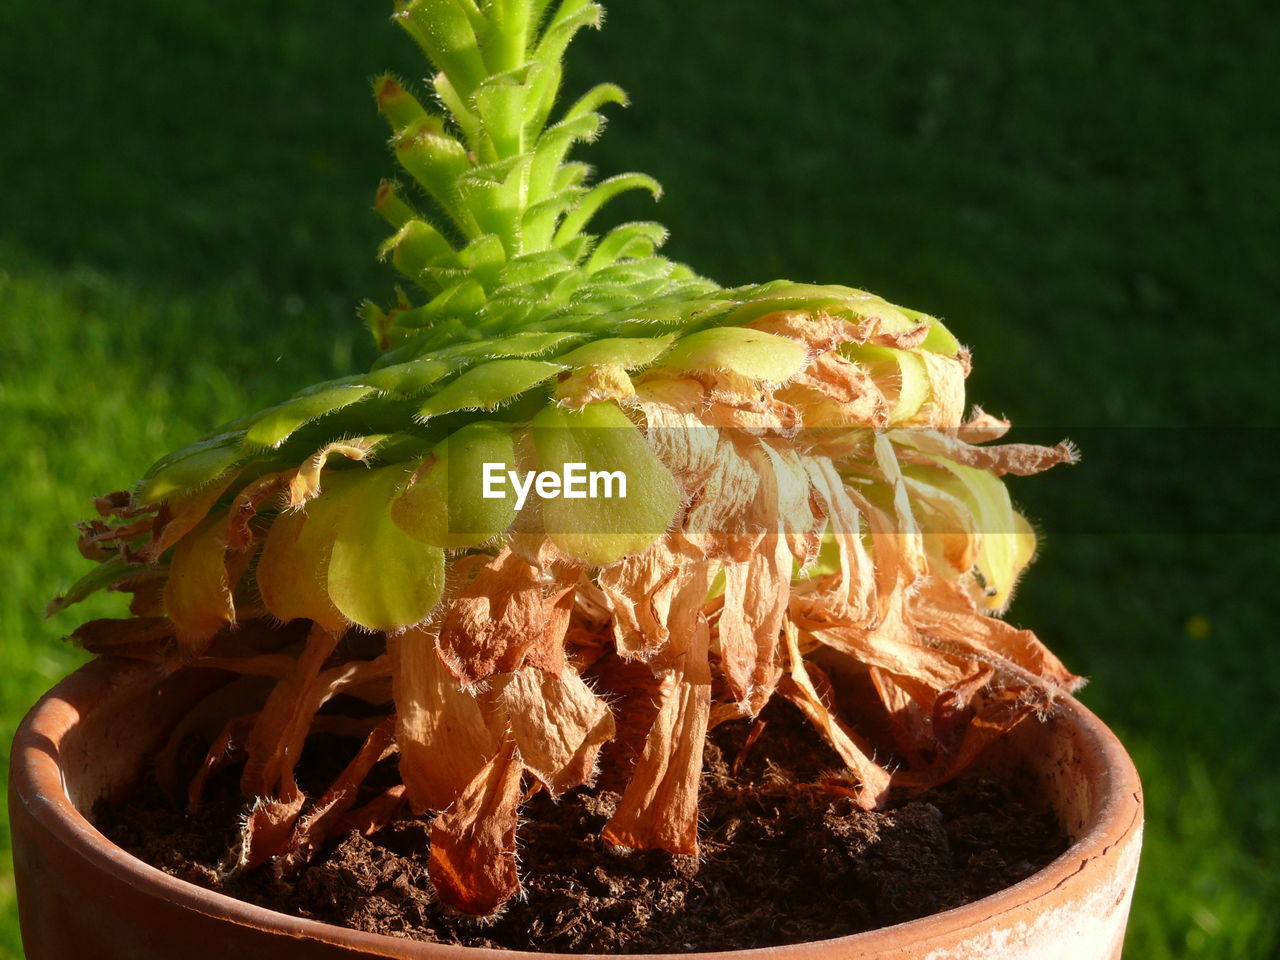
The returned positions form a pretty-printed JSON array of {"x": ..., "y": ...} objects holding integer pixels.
[
  {"x": 1007, "y": 542},
  {"x": 600, "y": 530},
  {"x": 400, "y": 107},
  {"x": 446, "y": 506},
  {"x": 598, "y": 196},
  {"x": 191, "y": 466},
  {"x": 274, "y": 425},
  {"x": 628, "y": 240},
  {"x": 102, "y": 577},
  {"x": 751, "y": 353},
  {"x": 893, "y": 368},
  {"x": 445, "y": 33},
  {"x": 488, "y": 386},
  {"x": 626, "y": 352},
  {"x": 291, "y": 572},
  {"x": 379, "y": 577}
]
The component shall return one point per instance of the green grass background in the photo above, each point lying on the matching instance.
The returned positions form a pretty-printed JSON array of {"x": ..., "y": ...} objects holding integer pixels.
[{"x": 1088, "y": 192}]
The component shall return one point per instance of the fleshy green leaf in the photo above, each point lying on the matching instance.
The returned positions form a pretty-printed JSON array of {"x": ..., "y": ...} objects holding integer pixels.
[
  {"x": 191, "y": 467},
  {"x": 446, "y": 506},
  {"x": 380, "y": 577},
  {"x": 489, "y": 386},
  {"x": 274, "y": 425},
  {"x": 626, "y": 352},
  {"x": 599, "y": 529},
  {"x": 751, "y": 353}
]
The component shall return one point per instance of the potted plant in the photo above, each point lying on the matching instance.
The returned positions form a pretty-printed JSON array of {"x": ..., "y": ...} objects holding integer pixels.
[{"x": 587, "y": 509}]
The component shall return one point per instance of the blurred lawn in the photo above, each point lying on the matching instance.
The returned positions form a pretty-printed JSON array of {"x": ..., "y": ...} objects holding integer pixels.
[{"x": 1088, "y": 192}]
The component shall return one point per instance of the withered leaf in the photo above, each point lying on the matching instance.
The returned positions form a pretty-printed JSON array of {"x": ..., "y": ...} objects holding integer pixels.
[
  {"x": 508, "y": 614},
  {"x": 559, "y": 725},
  {"x": 281, "y": 729},
  {"x": 443, "y": 732},
  {"x": 326, "y": 816},
  {"x": 197, "y": 595},
  {"x": 473, "y": 843},
  {"x": 800, "y": 688},
  {"x": 756, "y": 594},
  {"x": 659, "y": 807}
]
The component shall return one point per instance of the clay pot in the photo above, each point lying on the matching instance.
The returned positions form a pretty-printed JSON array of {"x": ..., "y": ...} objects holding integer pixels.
[{"x": 82, "y": 897}]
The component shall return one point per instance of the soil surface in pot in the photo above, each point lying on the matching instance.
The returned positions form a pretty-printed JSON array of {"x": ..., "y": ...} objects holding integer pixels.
[{"x": 784, "y": 860}]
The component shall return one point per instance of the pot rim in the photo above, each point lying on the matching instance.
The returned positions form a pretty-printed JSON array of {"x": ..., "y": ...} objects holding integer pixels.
[{"x": 37, "y": 782}]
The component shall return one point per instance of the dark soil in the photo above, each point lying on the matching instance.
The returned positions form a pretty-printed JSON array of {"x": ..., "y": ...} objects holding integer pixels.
[{"x": 783, "y": 861}]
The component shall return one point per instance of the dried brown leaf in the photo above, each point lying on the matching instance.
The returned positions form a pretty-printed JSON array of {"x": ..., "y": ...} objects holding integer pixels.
[
  {"x": 639, "y": 591},
  {"x": 801, "y": 687},
  {"x": 275, "y": 743},
  {"x": 509, "y": 613},
  {"x": 473, "y": 843},
  {"x": 559, "y": 725},
  {"x": 659, "y": 807},
  {"x": 756, "y": 594},
  {"x": 443, "y": 732},
  {"x": 1019, "y": 459},
  {"x": 326, "y": 817}
]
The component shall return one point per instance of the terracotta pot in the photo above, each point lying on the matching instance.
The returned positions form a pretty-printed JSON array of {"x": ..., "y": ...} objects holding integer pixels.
[{"x": 82, "y": 897}]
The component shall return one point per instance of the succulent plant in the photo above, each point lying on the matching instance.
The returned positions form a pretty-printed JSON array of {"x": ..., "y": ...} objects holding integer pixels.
[{"x": 805, "y": 501}]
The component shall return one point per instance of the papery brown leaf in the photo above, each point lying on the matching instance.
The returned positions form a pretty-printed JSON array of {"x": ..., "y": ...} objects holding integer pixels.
[
  {"x": 473, "y": 843},
  {"x": 893, "y": 644},
  {"x": 946, "y": 612},
  {"x": 1019, "y": 459},
  {"x": 275, "y": 665},
  {"x": 246, "y": 505},
  {"x": 639, "y": 590},
  {"x": 903, "y": 340},
  {"x": 589, "y": 602},
  {"x": 945, "y": 407},
  {"x": 634, "y": 699},
  {"x": 267, "y": 830},
  {"x": 378, "y": 814},
  {"x": 222, "y": 751},
  {"x": 740, "y": 403},
  {"x": 756, "y": 594},
  {"x": 791, "y": 491},
  {"x": 326, "y": 817},
  {"x": 139, "y": 638},
  {"x": 119, "y": 503},
  {"x": 206, "y": 721},
  {"x": 510, "y": 613},
  {"x": 659, "y": 807},
  {"x": 833, "y": 391},
  {"x": 98, "y": 541},
  {"x": 820, "y": 332},
  {"x": 800, "y": 688},
  {"x": 898, "y": 559},
  {"x": 275, "y": 743},
  {"x": 672, "y": 407},
  {"x": 909, "y": 546},
  {"x": 147, "y": 587},
  {"x": 857, "y": 581},
  {"x": 444, "y": 735},
  {"x": 982, "y": 427},
  {"x": 559, "y": 725},
  {"x": 729, "y": 514},
  {"x": 593, "y": 384},
  {"x": 197, "y": 594},
  {"x": 181, "y": 514}
]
